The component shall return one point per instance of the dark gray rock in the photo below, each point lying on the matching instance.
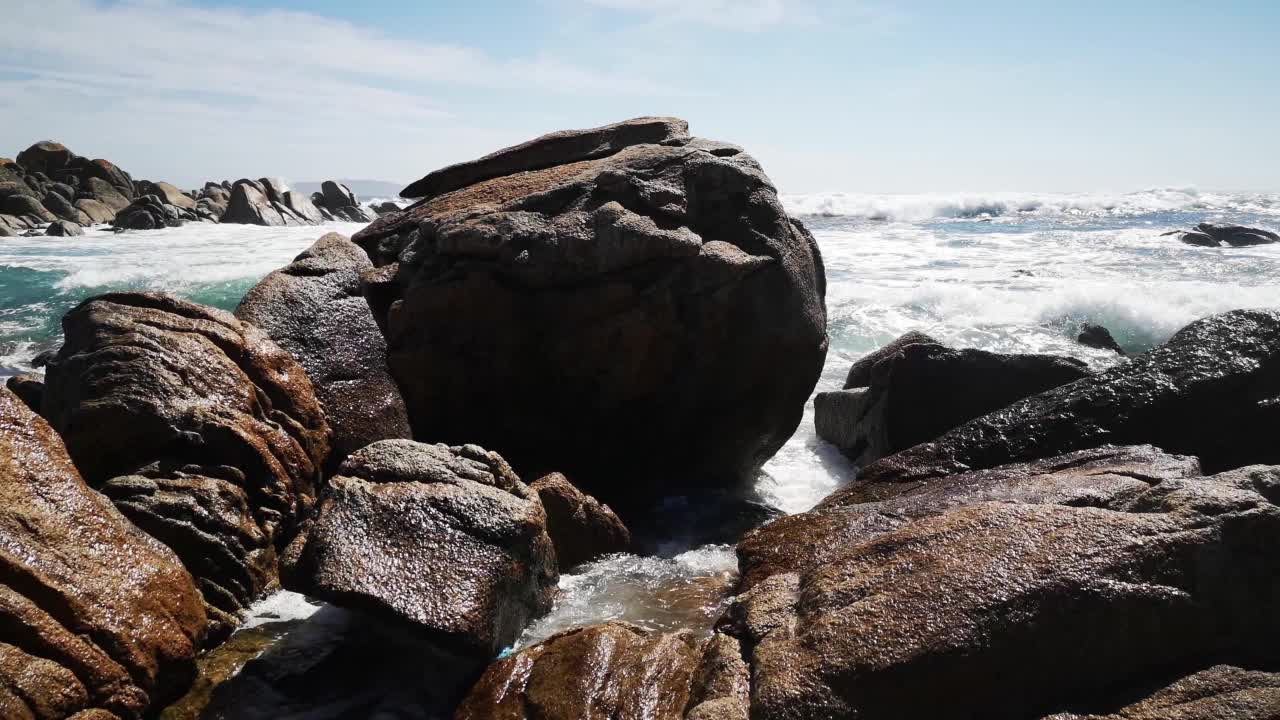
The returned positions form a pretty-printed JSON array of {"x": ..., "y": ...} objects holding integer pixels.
[
  {"x": 1096, "y": 336},
  {"x": 46, "y": 157},
  {"x": 249, "y": 206},
  {"x": 313, "y": 308},
  {"x": 860, "y": 372},
  {"x": 63, "y": 209},
  {"x": 106, "y": 193},
  {"x": 167, "y": 193},
  {"x": 63, "y": 228},
  {"x": 1211, "y": 235},
  {"x": 25, "y": 205},
  {"x": 149, "y": 212}
]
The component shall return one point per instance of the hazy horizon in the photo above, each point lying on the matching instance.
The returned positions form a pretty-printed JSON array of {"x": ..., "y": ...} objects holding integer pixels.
[{"x": 869, "y": 97}]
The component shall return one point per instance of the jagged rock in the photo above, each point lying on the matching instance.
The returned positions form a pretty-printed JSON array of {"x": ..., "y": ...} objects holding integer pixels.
[
  {"x": 63, "y": 228},
  {"x": 167, "y": 193},
  {"x": 1008, "y": 593},
  {"x": 1097, "y": 336},
  {"x": 26, "y": 205},
  {"x": 313, "y": 308},
  {"x": 105, "y": 193},
  {"x": 1218, "y": 693},
  {"x": 95, "y": 210},
  {"x": 613, "y": 671},
  {"x": 445, "y": 539},
  {"x": 196, "y": 402},
  {"x": 337, "y": 195},
  {"x": 47, "y": 157},
  {"x": 581, "y": 527},
  {"x": 29, "y": 388},
  {"x": 643, "y": 311},
  {"x": 1210, "y": 391},
  {"x": 273, "y": 189},
  {"x": 557, "y": 148},
  {"x": 250, "y": 206},
  {"x": 96, "y": 614},
  {"x": 920, "y": 390}
]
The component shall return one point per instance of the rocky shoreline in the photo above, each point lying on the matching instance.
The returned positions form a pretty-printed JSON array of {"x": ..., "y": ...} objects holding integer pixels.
[{"x": 426, "y": 424}]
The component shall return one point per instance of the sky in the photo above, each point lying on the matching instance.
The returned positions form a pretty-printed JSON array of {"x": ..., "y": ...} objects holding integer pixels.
[{"x": 853, "y": 95}]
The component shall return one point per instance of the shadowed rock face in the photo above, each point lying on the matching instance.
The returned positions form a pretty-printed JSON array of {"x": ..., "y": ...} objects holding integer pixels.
[
  {"x": 1216, "y": 693},
  {"x": 216, "y": 425},
  {"x": 313, "y": 308},
  {"x": 580, "y": 527},
  {"x": 646, "y": 310},
  {"x": 1213, "y": 391},
  {"x": 919, "y": 390},
  {"x": 446, "y": 539},
  {"x": 94, "y": 613},
  {"x": 613, "y": 671},
  {"x": 1009, "y": 593}
]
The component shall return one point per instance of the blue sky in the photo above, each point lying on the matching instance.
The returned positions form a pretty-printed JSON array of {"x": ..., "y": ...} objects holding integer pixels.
[{"x": 874, "y": 96}]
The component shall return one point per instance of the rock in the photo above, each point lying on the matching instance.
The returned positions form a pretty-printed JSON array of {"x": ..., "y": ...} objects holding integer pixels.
[
  {"x": 1221, "y": 691},
  {"x": 95, "y": 210},
  {"x": 301, "y": 206},
  {"x": 386, "y": 207},
  {"x": 63, "y": 190},
  {"x": 613, "y": 671},
  {"x": 1210, "y": 391},
  {"x": 273, "y": 189},
  {"x": 925, "y": 389},
  {"x": 63, "y": 228},
  {"x": 46, "y": 156},
  {"x": 581, "y": 528},
  {"x": 860, "y": 372},
  {"x": 1211, "y": 235},
  {"x": 1096, "y": 336},
  {"x": 447, "y": 540},
  {"x": 106, "y": 193},
  {"x": 167, "y": 193},
  {"x": 250, "y": 206},
  {"x": 337, "y": 195},
  {"x": 149, "y": 212},
  {"x": 1012, "y": 593},
  {"x": 26, "y": 205},
  {"x": 106, "y": 170},
  {"x": 97, "y": 615},
  {"x": 557, "y": 148},
  {"x": 14, "y": 188},
  {"x": 214, "y": 419},
  {"x": 29, "y": 388},
  {"x": 313, "y": 308},
  {"x": 63, "y": 209},
  {"x": 649, "y": 310}
]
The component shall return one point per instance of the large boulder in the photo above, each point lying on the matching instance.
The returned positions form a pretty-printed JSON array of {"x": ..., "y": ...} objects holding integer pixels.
[
  {"x": 96, "y": 210},
  {"x": 1010, "y": 593},
  {"x": 96, "y": 614},
  {"x": 46, "y": 157},
  {"x": 149, "y": 212},
  {"x": 1211, "y": 235},
  {"x": 921, "y": 390},
  {"x": 631, "y": 313},
  {"x": 1220, "y": 692},
  {"x": 64, "y": 209},
  {"x": 340, "y": 202},
  {"x": 581, "y": 527},
  {"x": 167, "y": 193},
  {"x": 302, "y": 206},
  {"x": 96, "y": 188},
  {"x": 106, "y": 170},
  {"x": 313, "y": 308},
  {"x": 63, "y": 228},
  {"x": 614, "y": 671},
  {"x": 446, "y": 540},
  {"x": 249, "y": 206},
  {"x": 26, "y": 206},
  {"x": 202, "y": 429},
  {"x": 1210, "y": 391}
]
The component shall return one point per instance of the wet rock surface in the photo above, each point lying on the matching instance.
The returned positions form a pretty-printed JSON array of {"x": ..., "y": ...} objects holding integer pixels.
[
  {"x": 314, "y": 309},
  {"x": 1211, "y": 235},
  {"x": 1218, "y": 692},
  {"x": 203, "y": 430},
  {"x": 1212, "y": 390},
  {"x": 445, "y": 540},
  {"x": 1010, "y": 594},
  {"x": 96, "y": 614},
  {"x": 919, "y": 390},
  {"x": 597, "y": 302},
  {"x": 580, "y": 527},
  {"x": 1096, "y": 336}
]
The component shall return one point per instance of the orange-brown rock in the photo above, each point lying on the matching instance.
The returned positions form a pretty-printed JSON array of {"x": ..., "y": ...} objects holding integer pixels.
[
  {"x": 581, "y": 527},
  {"x": 205, "y": 432},
  {"x": 94, "y": 614},
  {"x": 1221, "y": 692}
]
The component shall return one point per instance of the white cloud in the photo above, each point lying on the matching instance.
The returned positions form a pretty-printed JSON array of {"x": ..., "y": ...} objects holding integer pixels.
[{"x": 749, "y": 15}]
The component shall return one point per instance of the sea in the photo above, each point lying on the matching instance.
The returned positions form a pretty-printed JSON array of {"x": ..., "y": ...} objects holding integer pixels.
[{"x": 1007, "y": 272}]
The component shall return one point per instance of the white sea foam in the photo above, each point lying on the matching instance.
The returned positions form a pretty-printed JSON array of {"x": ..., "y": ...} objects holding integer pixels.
[
  {"x": 280, "y": 606},
  {"x": 921, "y": 207}
]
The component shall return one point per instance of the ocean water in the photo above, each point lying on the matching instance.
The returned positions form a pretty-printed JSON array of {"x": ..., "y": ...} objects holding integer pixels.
[{"x": 1003, "y": 272}]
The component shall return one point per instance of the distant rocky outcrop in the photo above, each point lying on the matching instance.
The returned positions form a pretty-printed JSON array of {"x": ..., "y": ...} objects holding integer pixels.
[
  {"x": 264, "y": 202},
  {"x": 49, "y": 182},
  {"x": 201, "y": 429},
  {"x": 918, "y": 389},
  {"x": 100, "y": 620},
  {"x": 151, "y": 212},
  {"x": 635, "y": 300},
  {"x": 446, "y": 540},
  {"x": 1211, "y": 235}
]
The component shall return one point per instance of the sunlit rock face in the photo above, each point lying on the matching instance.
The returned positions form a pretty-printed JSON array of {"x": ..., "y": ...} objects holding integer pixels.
[{"x": 634, "y": 299}]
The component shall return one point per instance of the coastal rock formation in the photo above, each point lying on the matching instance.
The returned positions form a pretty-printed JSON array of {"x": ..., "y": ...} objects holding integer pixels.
[
  {"x": 313, "y": 308},
  {"x": 1096, "y": 336},
  {"x": 919, "y": 390},
  {"x": 264, "y": 202},
  {"x": 1210, "y": 391},
  {"x": 1216, "y": 693},
  {"x": 634, "y": 299},
  {"x": 1211, "y": 235},
  {"x": 614, "y": 671},
  {"x": 167, "y": 194},
  {"x": 63, "y": 228},
  {"x": 203, "y": 430},
  {"x": 1009, "y": 593},
  {"x": 447, "y": 540},
  {"x": 149, "y": 212},
  {"x": 581, "y": 528},
  {"x": 97, "y": 616},
  {"x": 54, "y": 183}
]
